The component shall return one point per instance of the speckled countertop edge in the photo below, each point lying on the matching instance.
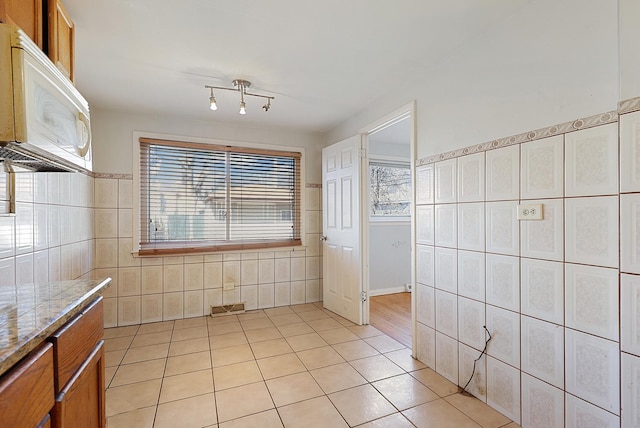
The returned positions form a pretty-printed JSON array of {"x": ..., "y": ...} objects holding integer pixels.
[{"x": 16, "y": 351}]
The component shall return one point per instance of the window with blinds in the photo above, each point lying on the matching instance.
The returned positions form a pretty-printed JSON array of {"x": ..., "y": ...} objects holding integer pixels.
[{"x": 202, "y": 197}]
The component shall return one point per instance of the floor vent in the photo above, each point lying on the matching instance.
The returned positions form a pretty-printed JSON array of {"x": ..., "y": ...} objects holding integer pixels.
[{"x": 236, "y": 308}]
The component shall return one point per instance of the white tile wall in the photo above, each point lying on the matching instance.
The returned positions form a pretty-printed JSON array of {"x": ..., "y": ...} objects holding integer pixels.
[
  {"x": 542, "y": 404},
  {"x": 424, "y": 225},
  {"x": 561, "y": 296},
  {"x": 447, "y": 357},
  {"x": 504, "y": 327},
  {"x": 162, "y": 288},
  {"x": 593, "y": 369},
  {"x": 249, "y": 295},
  {"x": 591, "y": 161},
  {"x": 544, "y": 239},
  {"x": 471, "y": 319},
  {"x": 425, "y": 265},
  {"x": 471, "y": 275},
  {"x": 502, "y": 173},
  {"x": 502, "y": 228},
  {"x": 471, "y": 170},
  {"x": 471, "y": 226},
  {"x": 582, "y": 414},
  {"x": 426, "y": 305},
  {"x": 503, "y": 281},
  {"x": 446, "y": 225},
  {"x": 282, "y": 292},
  {"x": 424, "y": 184},
  {"x": 248, "y": 272},
  {"x": 591, "y": 300},
  {"x": 152, "y": 279},
  {"x": 478, "y": 384},
  {"x": 446, "y": 269},
  {"x": 591, "y": 235},
  {"x": 172, "y": 306},
  {"x": 630, "y": 152},
  {"x": 630, "y": 233},
  {"x": 543, "y": 350},
  {"x": 447, "y": 313},
  {"x": 445, "y": 181},
  {"x": 503, "y": 388},
  {"x": 193, "y": 304},
  {"x": 542, "y": 289},
  {"x": 630, "y": 390},
  {"x": 541, "y": 175},
  {"x": 629, "y": 310},
  {"x": 426, "y": 345}
]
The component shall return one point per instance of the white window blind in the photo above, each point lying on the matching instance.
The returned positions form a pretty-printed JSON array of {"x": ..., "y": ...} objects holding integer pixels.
[{"x": 202, "y": 197}]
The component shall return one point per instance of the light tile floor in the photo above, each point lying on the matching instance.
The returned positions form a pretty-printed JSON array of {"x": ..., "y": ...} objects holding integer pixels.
[{"x": 293, "y": 366}]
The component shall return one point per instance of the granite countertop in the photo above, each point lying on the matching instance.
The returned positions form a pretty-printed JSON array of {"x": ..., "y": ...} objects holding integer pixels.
[{"x": 30, "y": 313}]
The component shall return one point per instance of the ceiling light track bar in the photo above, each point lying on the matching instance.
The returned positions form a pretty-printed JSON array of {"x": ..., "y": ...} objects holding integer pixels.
[
  {"x": 268, "y": 97},
  {"x": 239, "y": 85}
]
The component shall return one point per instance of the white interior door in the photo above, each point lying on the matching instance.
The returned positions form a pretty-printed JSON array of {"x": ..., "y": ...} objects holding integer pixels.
[{"x": 342, "y": 279}]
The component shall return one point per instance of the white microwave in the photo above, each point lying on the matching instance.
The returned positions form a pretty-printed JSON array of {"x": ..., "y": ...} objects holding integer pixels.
[{"x": 44, "y": 120}]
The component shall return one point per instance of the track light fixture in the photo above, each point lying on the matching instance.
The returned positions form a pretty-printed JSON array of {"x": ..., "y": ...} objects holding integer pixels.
[
  {"x": 241, "y": 86},
  {"x": 212, "y": 101}
]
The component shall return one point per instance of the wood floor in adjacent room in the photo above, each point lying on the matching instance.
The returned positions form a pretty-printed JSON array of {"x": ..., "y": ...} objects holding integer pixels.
[{"x": 391, "y": 314}]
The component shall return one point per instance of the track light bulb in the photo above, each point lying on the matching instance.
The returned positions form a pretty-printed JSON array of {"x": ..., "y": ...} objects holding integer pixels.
[
  {"x": 242, "y": 108},
  {"x": 267, "y": 106},
  {"x": 212, "y": 101}
]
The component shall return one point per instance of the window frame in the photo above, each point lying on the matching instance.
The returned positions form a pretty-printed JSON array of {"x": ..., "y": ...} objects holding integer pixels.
[
  {"x": 194, "y": 247},
  {"x": 392, "y": 161}
]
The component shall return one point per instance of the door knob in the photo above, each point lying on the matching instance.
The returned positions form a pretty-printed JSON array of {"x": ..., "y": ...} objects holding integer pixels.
[{"x": 323, "y": 238}]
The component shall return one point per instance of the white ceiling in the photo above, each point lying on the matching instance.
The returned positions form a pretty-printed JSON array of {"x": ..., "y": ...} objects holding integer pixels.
[{"x": 324, "y": 61}]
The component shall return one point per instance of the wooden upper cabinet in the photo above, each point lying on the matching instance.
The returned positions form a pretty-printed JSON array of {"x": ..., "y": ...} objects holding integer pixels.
[
  {"x": 26, "y": 14},
  {"x": 61, "y": 38}
]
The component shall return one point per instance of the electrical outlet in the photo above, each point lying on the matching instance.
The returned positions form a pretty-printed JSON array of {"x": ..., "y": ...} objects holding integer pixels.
[
  {"x": 530, "y": 212},
  {"x": 228, "y": 286}
]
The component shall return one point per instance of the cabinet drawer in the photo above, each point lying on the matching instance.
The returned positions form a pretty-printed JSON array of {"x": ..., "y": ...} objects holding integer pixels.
[
  {"x": 74, "y": 342},
  {"x": 26, "y": 391}
]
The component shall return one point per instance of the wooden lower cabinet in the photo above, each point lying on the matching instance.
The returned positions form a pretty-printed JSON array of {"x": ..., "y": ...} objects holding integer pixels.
[
  {"x": 60, "y": 384},
  {"x": 46, "y": 422},
  {"x": 81, "y": 402},
  {"x": 26, "y": 391},
  {"x": 78, "y": 351}
]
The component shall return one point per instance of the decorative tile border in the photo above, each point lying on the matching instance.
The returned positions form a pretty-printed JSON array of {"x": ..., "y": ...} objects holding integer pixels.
[
  {"x": 588, "y": 122},
  {"x": 107, "y": 175},
  {"x": 627, "y": 106}
]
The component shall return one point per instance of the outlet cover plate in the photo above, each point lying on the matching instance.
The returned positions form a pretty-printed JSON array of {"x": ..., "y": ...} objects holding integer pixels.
[
  {"x": 530, "y": 212},
  {"x": 228, "y": 286}
]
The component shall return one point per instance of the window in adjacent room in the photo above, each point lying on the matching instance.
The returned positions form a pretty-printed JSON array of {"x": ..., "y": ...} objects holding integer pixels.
[
  {"x": 389, "y": 189},
  {"x": 203, "y": 197}
]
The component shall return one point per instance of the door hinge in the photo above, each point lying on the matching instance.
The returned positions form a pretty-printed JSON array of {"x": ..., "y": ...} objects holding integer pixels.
[
  {"x": 363, "y": 153},
  {"x": 363, "y": 296}
]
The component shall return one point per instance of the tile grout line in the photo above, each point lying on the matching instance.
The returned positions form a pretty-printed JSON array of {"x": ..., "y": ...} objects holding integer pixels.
[{"x": 209, "y": 330}]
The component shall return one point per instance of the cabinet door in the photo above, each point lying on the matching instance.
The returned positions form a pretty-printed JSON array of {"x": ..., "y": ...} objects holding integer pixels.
[
  {"x": 26, "y": 391},
  {"x": 26, "y": 14},
  {"x": 81, "y": 403},
  {"x": 61, "y": 38}
]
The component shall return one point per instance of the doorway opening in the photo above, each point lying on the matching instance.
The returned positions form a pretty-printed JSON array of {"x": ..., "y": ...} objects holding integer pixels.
[{"x": 387, "y": 227}]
